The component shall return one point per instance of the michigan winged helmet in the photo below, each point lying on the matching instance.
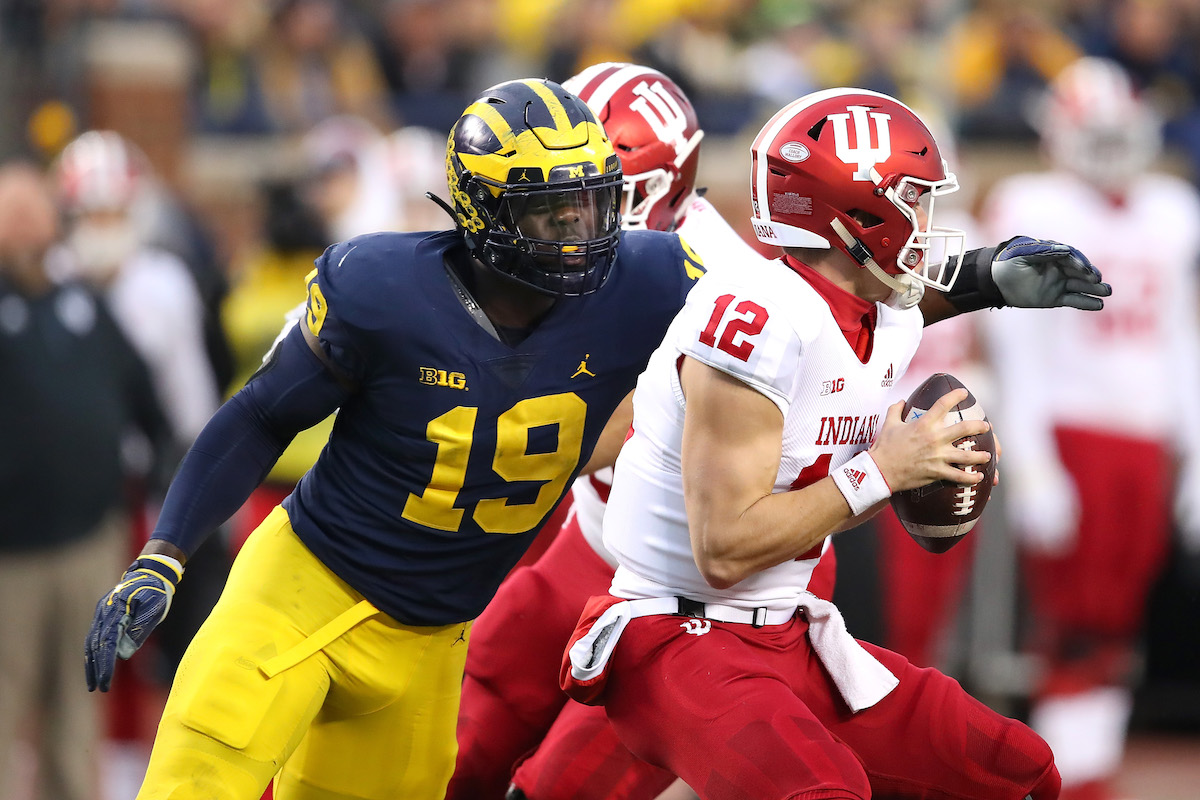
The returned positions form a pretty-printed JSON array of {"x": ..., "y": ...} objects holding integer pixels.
[{"x": 535, "y": 187}]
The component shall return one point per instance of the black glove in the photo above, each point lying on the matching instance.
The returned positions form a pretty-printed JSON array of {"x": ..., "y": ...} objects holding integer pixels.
[
  {"x": 1028, "y": 273},
  {"x": 126, "y": 615}
]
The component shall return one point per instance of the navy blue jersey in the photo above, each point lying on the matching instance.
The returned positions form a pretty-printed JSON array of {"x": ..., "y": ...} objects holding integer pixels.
[{"x": 455, "y": 447}]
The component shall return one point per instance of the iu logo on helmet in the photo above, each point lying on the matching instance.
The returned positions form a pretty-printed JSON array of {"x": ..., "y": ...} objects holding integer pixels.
[
  {"x": 666, "y": 119},
  {"x": 862, "y": 154}
]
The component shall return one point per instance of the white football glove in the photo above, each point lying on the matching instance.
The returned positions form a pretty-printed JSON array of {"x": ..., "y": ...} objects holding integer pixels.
[{"x": 1043, "y": 507}]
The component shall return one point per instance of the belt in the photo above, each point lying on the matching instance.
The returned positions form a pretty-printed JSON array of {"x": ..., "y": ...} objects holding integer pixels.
[{"x": 717, "y": 612}]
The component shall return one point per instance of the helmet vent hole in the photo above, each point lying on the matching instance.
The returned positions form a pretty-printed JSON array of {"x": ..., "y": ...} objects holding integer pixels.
[
  {"x": 864, "y": 218},
  {"x": 774, "y": 171},
  {"x": 624, "y": 147},
  {"x": 814, "y": 132}
]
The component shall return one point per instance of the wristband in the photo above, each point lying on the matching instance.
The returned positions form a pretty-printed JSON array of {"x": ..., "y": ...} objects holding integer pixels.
[
  {"x": 861, "y": 483},
  {"x": 974, "y": 288},
  {"x": 163, "y": 566}
]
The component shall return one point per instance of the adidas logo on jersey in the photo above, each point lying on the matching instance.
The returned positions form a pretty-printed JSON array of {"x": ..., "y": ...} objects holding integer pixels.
[
  {"x": 888, "y": 377},
  {"x": 856, "y": 476}
]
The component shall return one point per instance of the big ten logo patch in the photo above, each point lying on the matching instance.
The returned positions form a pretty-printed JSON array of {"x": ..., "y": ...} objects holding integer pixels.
[
  {"x": 829, "y": 387},
  {"x": 440, "y": 377}
]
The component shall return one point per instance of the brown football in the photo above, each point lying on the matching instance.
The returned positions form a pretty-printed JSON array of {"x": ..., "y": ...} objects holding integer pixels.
[{"x": 939, "y": 515}]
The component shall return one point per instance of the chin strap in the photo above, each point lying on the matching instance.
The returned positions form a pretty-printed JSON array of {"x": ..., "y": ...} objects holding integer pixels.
[{"x": 907, "y": 291}]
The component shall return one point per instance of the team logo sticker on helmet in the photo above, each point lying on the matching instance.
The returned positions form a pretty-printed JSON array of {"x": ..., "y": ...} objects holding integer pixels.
[
  {"x": 794, "y": 152},
  {"x": 862, "y": 154}
]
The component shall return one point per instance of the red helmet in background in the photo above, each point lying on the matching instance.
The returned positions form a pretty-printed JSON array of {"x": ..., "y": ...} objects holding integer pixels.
[
  {"x": 654, "y": 129},
  {"x": 1093, "y": 123},
  {"x": 99, "y": 171},
  {"x": 848, "y": 168}
]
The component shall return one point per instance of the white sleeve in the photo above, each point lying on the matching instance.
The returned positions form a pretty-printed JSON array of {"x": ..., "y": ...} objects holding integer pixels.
[
  {"x": 730, "y": 329},
  {"x": 169, "y": 331}
]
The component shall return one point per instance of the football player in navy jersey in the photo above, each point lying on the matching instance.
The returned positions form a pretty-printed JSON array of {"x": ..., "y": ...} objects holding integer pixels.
[{"x": 473, "y": 371}]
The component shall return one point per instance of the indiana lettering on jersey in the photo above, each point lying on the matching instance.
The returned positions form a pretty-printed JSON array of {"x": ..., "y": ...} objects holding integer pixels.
[{"x": 847, "y": 430}]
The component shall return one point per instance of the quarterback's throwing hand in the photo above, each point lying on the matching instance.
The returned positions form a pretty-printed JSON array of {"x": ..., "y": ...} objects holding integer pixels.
[
  {"x": 1037, "y": 273},
  {"x": 126, "y": 615}
]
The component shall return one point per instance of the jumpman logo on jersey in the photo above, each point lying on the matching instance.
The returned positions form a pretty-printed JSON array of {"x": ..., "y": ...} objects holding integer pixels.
[
  {"x": 462, "y": 637},
  {"x": 582, "y": 369}
]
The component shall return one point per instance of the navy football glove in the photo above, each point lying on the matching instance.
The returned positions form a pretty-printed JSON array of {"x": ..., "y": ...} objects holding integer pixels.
[
  {"x": 1035, "y": 273},
  {"x": 126, "y": 615}
]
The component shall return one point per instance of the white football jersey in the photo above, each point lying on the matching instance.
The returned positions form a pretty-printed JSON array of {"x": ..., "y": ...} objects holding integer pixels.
[
  {"x": 1130, "y": 369},
  {"x": 769, "y": 328},
  {"x": 721, "y": 249}
]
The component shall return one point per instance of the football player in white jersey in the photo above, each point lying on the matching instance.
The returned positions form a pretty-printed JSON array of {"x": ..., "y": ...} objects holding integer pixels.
[
  {"x": 752, "y": 424},
  {"x": 510, "y": 694},
  {"x": 1095, "y": 408}
]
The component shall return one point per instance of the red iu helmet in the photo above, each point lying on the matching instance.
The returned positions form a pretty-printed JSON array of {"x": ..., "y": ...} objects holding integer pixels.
[
  {"x": 654, "y": 128},
  {"x": 99, "y": 171},
  {"x": 1094, "y": 124},
  {"x": 851, "y": 169}
]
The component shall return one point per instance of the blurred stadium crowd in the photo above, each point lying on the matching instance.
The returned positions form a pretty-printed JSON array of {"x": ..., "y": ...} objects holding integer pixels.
[{"x": 225, "y": 143}]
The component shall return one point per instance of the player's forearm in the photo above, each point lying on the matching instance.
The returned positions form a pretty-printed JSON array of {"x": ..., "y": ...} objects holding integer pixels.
[
  {"x": 731, "y": 545},
  {"x": 229, "y": 459}
]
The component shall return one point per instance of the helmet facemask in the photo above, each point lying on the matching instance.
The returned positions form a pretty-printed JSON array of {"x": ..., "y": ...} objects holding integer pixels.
[
  {"x": 536, "y": 187},
  {"x": 932, "y": 254},
  {"x": 558, "y": 237}
]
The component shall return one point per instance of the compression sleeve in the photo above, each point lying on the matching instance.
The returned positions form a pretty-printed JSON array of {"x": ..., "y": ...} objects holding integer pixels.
[{"x": 243, "y": 440}]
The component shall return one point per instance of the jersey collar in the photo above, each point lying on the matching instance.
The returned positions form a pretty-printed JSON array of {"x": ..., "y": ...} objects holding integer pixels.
[{"x": 848, "y": 308}]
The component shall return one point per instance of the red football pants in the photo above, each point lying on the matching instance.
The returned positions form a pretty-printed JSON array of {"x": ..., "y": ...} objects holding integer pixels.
[
  {"x": 745, "y": 714},
  {"x": 511, "y": 700},
  {"x": 1089, "y": 603},
  {"x": 510, "y": 692}
]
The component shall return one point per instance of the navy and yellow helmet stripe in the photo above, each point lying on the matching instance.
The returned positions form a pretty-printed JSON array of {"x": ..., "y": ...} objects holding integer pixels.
[{"x": 529, "y": 132}]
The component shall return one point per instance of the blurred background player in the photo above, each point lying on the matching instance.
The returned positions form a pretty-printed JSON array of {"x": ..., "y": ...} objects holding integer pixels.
[
  {"x": 149, "y": 290},
  {"x": 105, "y": 188},
  {"x": 73, "y": 388},
  {"x": 511, "y": 697},
  {"x": 1096, "y": 406}
]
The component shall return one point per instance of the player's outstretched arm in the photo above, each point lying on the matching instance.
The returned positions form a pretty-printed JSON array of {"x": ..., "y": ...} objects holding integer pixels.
[
  {"x": 1028, "y": 273},
  {"x": 230, "y": 457}
]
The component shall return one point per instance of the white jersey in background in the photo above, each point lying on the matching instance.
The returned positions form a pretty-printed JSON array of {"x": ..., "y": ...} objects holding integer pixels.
[
  {"x": 723, "y": 251},
  {"x": 1132, "y": 370},
  {"x": 778, "y": 336}
]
